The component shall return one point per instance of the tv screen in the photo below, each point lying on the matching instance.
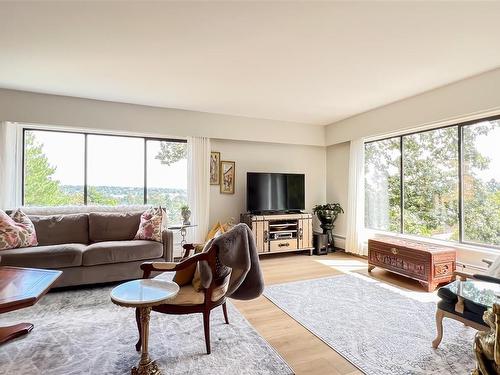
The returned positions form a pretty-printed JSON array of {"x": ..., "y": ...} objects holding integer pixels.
[{"x": 275, "y": 192}]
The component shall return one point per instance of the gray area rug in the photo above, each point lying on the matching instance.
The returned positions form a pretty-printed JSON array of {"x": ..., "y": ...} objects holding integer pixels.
[
  {"x": 378, "y": 328},
  {"x": 82, "y": 332}
]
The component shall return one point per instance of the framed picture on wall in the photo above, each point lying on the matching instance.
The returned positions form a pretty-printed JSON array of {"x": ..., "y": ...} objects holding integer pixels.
[
  {"x": 214, "y": 168},
  {"x": 227, "y": 176}
]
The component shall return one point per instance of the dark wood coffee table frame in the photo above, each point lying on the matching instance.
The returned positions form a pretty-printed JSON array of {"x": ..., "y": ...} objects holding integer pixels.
[{"x": 20, "y": 288}]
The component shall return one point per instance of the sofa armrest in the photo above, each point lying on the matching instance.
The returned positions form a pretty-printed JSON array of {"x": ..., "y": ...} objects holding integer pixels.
[{"x": 167, "y": 237}]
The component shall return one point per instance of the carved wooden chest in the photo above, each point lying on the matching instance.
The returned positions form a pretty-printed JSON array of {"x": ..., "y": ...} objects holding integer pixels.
[{"x": 430, "y": 264}]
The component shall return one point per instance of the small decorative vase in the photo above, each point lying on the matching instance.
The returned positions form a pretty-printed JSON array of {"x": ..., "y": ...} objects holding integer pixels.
[{"x": 186, "y": 214}]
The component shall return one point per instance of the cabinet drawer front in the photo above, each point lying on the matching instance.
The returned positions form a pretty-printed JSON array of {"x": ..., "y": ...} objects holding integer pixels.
[
  {"x": 444, "y": 270},
  {"x": 281, "y": 245}
]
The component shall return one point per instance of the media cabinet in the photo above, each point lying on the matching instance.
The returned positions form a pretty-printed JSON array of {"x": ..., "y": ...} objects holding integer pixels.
[{"x": 281, "y": 233}]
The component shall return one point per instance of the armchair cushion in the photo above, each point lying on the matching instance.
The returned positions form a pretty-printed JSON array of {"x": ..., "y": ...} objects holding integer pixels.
[
  {"x": 214, "y": 231},
  {"x": 197, "y": 285},
  {"x": 185, "y": 276},
  {"x": 189, "y": 296}
]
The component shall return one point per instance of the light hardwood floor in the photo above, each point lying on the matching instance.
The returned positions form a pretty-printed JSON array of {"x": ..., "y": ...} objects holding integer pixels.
[{"x": 302, "y": 350}]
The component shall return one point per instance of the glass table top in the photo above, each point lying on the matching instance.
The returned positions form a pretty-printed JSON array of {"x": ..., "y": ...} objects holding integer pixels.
[
  {"x": 479, "y": 292},
  {"x": 180, "y": 226},
  {"x": 144, "y": 291}
]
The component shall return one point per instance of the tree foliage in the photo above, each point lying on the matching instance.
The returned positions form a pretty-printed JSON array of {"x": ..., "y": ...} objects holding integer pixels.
[
  {"x": 431, "y": 185},
  {"x": 171, "y": 152},
  {"x": 40, "y": 187}
]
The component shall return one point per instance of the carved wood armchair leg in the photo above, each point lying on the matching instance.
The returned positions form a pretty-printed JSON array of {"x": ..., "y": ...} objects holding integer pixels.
[
  {"x": 139, "y": 328},
  {"x": 224, "y": 310},
  {"x": 439, "y": 327},
  {"x": 206, "y": 326}
]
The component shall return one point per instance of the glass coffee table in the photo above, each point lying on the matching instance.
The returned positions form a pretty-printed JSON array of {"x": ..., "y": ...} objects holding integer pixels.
[
  {"x": 480, "y": 292},
  {"x": 144, "y": 294}
]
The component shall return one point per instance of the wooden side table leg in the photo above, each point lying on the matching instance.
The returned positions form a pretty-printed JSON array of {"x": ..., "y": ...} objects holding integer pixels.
[
  {"x": 11, "y": 332},
  {"x": 146, "y": 365},
  {"x": 370, "y": 268},
  {"x": 439, "y": 327}
]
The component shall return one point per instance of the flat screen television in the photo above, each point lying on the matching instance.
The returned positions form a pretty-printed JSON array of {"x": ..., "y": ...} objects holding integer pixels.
[{"x": 283, "y": 192}]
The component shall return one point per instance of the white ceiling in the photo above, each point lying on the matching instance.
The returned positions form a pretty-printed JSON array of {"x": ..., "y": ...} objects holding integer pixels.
[{"x": 310, "y": 62}]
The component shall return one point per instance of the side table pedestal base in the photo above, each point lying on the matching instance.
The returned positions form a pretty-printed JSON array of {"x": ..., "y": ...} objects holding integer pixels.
[{"x": 146, "y": 367}]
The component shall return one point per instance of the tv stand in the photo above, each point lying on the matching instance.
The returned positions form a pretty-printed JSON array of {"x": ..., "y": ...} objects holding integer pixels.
[{"x": 281, "y": 232}]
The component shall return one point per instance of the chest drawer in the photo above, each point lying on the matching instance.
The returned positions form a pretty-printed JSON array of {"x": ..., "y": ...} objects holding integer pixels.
[{"x": 280, "y": 245}]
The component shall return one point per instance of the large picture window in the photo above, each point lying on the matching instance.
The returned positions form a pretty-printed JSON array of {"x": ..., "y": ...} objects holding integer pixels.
[
  {"x": 65, "y": 168},
  {"x": 441, "y": 183}
]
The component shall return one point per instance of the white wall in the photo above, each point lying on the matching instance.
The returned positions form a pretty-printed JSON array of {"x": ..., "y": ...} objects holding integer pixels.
[
  {"x": 99, "y": 115},
  {"x": 266, "y": 157},
  {"x": 469, "y": 97},
  {"x": 337, "y": 175}
]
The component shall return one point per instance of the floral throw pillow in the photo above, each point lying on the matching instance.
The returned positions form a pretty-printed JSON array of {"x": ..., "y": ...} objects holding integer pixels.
[
  {"x": 16, "y": 231},
  {"x": 151, "y": 226}
]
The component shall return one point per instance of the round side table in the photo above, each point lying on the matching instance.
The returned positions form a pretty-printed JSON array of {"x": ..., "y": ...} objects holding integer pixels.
[
  {"x": 144, "y": 294},
  {"x": 183, "y": 230}
]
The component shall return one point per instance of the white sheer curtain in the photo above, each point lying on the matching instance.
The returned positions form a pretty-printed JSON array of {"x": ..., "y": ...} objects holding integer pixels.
[
  {"x": 199, "y": 185},
  {"x": 356, "y": 237},
  {"x": 10, "y": 165}
]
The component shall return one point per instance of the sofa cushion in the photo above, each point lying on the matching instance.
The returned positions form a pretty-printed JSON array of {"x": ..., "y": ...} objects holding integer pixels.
[
  {"x": 61, "y": 229},
  {"x": 51, "y": 256},
  {"x": 121, "y": 251},
  {"x": 112, "y": 226}
]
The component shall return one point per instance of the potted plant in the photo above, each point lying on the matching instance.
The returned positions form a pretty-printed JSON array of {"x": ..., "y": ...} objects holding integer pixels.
[
  {"x": 186, "y": 214},
  {"x": 327, "y": 214}
]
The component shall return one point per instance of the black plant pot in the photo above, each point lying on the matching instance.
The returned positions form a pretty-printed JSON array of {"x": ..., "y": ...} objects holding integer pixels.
[{"x": 327, "y": 218}]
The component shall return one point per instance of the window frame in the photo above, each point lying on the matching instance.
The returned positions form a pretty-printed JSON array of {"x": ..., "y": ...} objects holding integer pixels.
[
  {"x": 85, "y": 157},
  {"x": 460, "y": 126}
]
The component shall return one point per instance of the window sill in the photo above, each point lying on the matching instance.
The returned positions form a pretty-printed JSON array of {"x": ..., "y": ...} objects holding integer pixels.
[{"x": 480, "y": 250}]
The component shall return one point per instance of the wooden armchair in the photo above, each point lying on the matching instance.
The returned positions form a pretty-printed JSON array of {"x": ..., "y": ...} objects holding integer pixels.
[
  {"x": 188, "y": 300},
  {"x": 456, "y": 307}
]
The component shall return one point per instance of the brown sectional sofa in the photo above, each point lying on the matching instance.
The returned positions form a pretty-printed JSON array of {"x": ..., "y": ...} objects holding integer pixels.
[{"x": 90, "y": 247}]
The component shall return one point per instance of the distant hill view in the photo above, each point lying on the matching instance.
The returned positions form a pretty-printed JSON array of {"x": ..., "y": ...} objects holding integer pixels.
[{"x": 171, "y": 199}]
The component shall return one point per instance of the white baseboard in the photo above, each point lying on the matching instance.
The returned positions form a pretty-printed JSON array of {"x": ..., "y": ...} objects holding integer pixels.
[{"x": 339, "y": 241}]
